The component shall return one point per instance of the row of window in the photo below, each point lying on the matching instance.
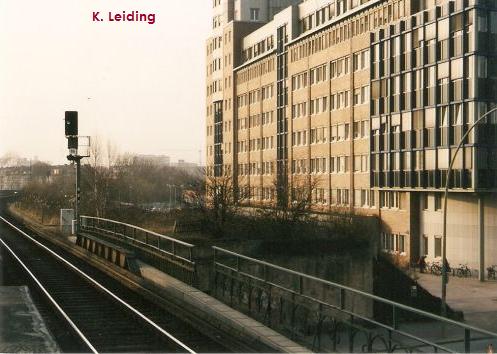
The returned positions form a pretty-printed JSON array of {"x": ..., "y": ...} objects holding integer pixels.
[
  {"x": 365, "y": 22},
  {"x": 429, "y": 128},
  {"x": 254, "y": 96},
  {"x": 226, "y": 148},
  {"x": 338, "y": 68},
  {"x": 222, "y": 170},
  {"x": 226, "y": 127},
  {"x": 337, "y": 101},
  {"x": 363, "y": 198},
  {"x": 338, "y": 164},
  {"x": 265, "y": 168},
  {"x": 339, "y": 132},
  {"x": 214, "y": 86},
  {"x": 215, "y": 65},
  {"x": 429, "y": 203},
  {"x": 214, "y": 43},
  {"x": 394, "y": 243},
  {"x": 318, "y": 105},
  {"x": 389, "y": 200},
  {"x": 217, "y": 21},
  {"x": 318, "y": 74},
  {"x": 265, "y": 143},
  {"x": 255, "y": 70},
  {"x": 318, "y": 135},
  {"x": 334, "y": 9},
  {"x": 437, "y": 246},
  {"x": 210, "y": 107},
  {"x": 299, "y": 81},
  {"x": 258, "y": 193},
  {"x": 257, "y": 49},
  {"x": 256, "y": 120}
]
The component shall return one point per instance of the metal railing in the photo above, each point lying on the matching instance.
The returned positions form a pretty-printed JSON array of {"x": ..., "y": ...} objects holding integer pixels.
[
  {"x": 173, "y": 256},
  {"x": 261, "y": 287}
]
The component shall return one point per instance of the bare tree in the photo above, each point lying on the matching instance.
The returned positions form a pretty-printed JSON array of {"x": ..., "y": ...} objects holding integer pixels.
[
  {"x": 112, "y": 154},
  {"x": 11, "y": 159},
  {"x": 223, "y": 200},
  {"x": 97, "y": 178},
  {"x": 299, "y": 196}
]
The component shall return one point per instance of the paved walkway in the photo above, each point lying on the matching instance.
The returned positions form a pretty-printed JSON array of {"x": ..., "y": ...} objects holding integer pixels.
[
  {"x": 477, "y": 300},
  {"x": 22, "y": 329}
]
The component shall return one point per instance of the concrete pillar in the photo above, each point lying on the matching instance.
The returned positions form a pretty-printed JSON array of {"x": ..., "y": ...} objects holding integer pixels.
[{"x": 481, "y": 232}]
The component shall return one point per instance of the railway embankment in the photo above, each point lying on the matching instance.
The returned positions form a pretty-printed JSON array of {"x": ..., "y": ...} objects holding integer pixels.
[{"x": 236, "y": 330}]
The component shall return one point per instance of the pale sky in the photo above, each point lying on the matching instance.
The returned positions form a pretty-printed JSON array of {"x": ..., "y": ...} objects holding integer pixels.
[{"x": 136, "y": 84}]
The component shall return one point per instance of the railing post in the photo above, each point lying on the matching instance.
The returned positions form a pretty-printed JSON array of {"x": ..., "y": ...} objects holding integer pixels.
[
  {"x": 467, "y": 341},
  {"x": 146, "y": 238},
  {"x": 190, "y": 253},
  {"x": 237, "y": 264},
  {"x": 351, "y": 334},
  {"x": 173, "y": 248},
  {"x": 342, "y": 299},
  {"x": 158, "y": 243},
  {"x": 264, "y": 270},
  {"x": 394, "y": 317},
  {"x": 301, "y": 284}
]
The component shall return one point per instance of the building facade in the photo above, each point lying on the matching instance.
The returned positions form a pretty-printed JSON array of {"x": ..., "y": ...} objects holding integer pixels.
[{"x": 365, "y": 101}]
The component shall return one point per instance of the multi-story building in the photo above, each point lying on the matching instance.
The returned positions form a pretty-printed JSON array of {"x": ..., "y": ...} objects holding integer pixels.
[
  {"x": 158, "y": 160},
  {"x": 365, "y": 101}
]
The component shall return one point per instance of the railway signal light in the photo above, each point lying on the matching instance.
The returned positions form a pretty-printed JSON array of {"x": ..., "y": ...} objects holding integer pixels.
[
  {"x": 72, "y": 143},
  {"x": 71, "y": 131},
  {"x": 71, "y": 119}
]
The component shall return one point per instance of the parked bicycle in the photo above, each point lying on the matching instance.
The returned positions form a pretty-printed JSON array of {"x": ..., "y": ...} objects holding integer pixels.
[
  {"x": 436, "y": 268},
  {"x": 492, "y": 272},
  {"x": 463, "y": 271}
]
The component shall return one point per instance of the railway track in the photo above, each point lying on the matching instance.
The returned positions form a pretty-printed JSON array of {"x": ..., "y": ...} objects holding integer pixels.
[{"x": 102, "y": 314}]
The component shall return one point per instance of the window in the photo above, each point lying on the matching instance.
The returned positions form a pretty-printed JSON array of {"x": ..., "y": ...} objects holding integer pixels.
[
  {"x": 438, "y": 246},
  {"x": 254, "y": 14},
  {"x": 424, "y": 201},
  {"x": 424, "y": 250},
  {"x": 438, "y": 201},
  {"x": 401, "y": 243},
  {"x": 393, "y": 242}
]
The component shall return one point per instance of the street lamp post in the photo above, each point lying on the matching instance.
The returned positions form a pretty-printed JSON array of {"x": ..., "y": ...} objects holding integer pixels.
[{"x": 444, "y": 235}]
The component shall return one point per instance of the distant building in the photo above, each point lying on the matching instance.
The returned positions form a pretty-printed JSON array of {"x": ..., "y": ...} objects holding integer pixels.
[
  {"x": 158, "y": 160},
  {"x": 14, "y": 178},
  {"x": 189, "y": 167}
]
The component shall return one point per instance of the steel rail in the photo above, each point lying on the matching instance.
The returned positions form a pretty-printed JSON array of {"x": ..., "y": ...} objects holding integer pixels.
[
  {"x": 101, "y": 287},
  {"x": 52, "y": 300}
]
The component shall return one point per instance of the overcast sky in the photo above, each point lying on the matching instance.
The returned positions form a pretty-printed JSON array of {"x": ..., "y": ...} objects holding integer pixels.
[{"x": 136, "y": 84}]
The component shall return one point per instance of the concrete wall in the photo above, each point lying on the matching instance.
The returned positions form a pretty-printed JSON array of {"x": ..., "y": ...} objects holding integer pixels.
[{"x": 463, "y": 238}]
